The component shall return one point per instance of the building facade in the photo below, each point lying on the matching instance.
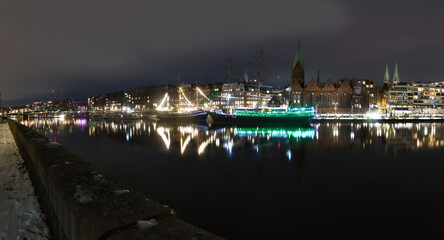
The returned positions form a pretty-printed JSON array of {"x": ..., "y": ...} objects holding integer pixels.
[
  {"x": 241, "y": 94},
  {"x": 428, "y": 95},
  {"x": 400, "y": 96}
]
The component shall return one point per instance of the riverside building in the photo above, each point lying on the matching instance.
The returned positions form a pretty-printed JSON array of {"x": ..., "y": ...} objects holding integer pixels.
[
  {"x": 373, "y": 92},
  {"x": 428, "y": 95},
  {"x": 415, "y": 96},
  {"x": 400, "y": 97},
  {"x": 240, "y": 94},
  {"x": 405, "y": 97}
]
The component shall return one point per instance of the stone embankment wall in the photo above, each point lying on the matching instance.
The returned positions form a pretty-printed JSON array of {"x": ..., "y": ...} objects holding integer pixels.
[{"x": 82, "y": 203}]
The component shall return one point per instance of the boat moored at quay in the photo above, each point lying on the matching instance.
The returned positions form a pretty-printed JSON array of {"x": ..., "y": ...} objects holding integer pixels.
[
  {"x": 181, "y": 117},
  {"x": 263, "y": 116}
]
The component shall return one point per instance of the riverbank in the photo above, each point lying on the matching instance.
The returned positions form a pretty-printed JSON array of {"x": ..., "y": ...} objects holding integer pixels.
[{"x": 20, "y": 213}]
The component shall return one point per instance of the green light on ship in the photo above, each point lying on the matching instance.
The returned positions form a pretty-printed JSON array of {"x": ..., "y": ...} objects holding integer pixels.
[{"x": 276, "y": 112}]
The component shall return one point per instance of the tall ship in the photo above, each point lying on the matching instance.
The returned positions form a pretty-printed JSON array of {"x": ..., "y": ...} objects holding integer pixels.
[
  {"x": 197, "y": 115},
  {"x": 184, "y": 111}
]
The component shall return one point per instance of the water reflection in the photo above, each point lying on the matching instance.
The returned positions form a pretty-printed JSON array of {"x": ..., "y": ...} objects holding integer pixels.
[
  {"x": 211, "y": 175},
  {"x": 198, "y": 138}
]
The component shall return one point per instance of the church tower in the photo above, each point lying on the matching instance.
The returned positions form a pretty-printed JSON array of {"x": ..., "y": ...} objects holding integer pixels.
[
  {"x": 297, "y": 73},
  {"x": 396, "y": 79}
]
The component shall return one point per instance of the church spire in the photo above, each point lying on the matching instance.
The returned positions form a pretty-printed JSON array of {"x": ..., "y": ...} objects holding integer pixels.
[
  {"x": 298, "y": 55},
  {"x": 297, "y": 70},
  {"x": 396, "y": 79},
  {"x": 386, "y": 76},
  {"x": 319, "y": 77}
]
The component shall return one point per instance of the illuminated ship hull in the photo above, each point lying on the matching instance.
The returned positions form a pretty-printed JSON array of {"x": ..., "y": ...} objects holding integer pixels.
[
  {"x": 193, "y": 116},
  {"x": 263, "y": 117}
]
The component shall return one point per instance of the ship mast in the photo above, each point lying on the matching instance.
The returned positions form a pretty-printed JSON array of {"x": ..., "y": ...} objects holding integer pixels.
[
  {"x": 180, "y": 97},
  {"x": 259, "y": 74},
  {"x": 229, "y": 67},
  {"x": 197, "y": 93}
]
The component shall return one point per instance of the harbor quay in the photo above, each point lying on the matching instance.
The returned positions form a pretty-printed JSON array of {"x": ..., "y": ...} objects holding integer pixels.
[{"x": 81, "y": 202}]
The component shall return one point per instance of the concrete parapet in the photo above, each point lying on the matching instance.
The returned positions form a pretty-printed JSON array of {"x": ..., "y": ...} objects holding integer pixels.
[{"x": 82, "y": 203}]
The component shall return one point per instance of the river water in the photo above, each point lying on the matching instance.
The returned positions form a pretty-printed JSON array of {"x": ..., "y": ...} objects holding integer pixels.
[{"x": 361, "y": 181}]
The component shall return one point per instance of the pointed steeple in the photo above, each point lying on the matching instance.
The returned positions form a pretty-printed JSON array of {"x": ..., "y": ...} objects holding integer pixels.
[
  {"x": 298, "y": 55},
  {"x": 387, "y": 75},
  {"x": 396, "y": 79},
  {"x": 297, "y": 70},
  {"x": 319, "y": 77}
]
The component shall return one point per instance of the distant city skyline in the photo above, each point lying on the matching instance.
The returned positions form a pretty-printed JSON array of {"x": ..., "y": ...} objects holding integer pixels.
[{"x": 87, "y": 48}]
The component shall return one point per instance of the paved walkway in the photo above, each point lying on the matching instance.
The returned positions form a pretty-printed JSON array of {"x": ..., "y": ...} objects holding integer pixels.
[{"x": 20, "y": 214}]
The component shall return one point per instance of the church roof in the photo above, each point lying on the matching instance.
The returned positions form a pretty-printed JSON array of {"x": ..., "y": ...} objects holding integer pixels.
[
  {"x": 345, "y": 87},
  {"x": 297, "y": 87},
  {"x": 312, "y": 86},
  {"x": 328, "y": 86}
]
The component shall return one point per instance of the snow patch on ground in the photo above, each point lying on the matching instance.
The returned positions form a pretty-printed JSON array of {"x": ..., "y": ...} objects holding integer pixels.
[
  {"x": 147, "y": 224},
  {"x": 20, "y": 213},
  {"x": 120, "y": 192},
  {"x": 98, "y": 177}
]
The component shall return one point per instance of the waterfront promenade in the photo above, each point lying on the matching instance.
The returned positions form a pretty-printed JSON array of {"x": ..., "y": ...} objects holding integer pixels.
[{"x": 20, "y": 213}]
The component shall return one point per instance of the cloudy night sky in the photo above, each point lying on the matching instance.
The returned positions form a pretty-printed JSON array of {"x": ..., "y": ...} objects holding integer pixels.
[{"x": 86, "y": 48}]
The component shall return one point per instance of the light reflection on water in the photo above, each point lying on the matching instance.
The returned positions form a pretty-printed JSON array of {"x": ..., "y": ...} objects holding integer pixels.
[
  {"x": 413, "y": 136},
  {"x": 349, "y": 180}
]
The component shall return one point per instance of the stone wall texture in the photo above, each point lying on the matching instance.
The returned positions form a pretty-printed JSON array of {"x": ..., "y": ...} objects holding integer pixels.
[{"x": 82, "y": 203}]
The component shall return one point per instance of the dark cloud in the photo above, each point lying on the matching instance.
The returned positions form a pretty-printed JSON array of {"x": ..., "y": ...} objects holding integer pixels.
[{"x": 87, "y": 47}]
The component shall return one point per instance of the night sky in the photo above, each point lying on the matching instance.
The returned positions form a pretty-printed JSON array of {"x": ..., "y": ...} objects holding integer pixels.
[{"x": 86, "y": 48}]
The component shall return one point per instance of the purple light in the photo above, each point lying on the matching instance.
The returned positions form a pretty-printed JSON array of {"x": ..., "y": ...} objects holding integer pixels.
[{"x": 82, "y": 122}]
